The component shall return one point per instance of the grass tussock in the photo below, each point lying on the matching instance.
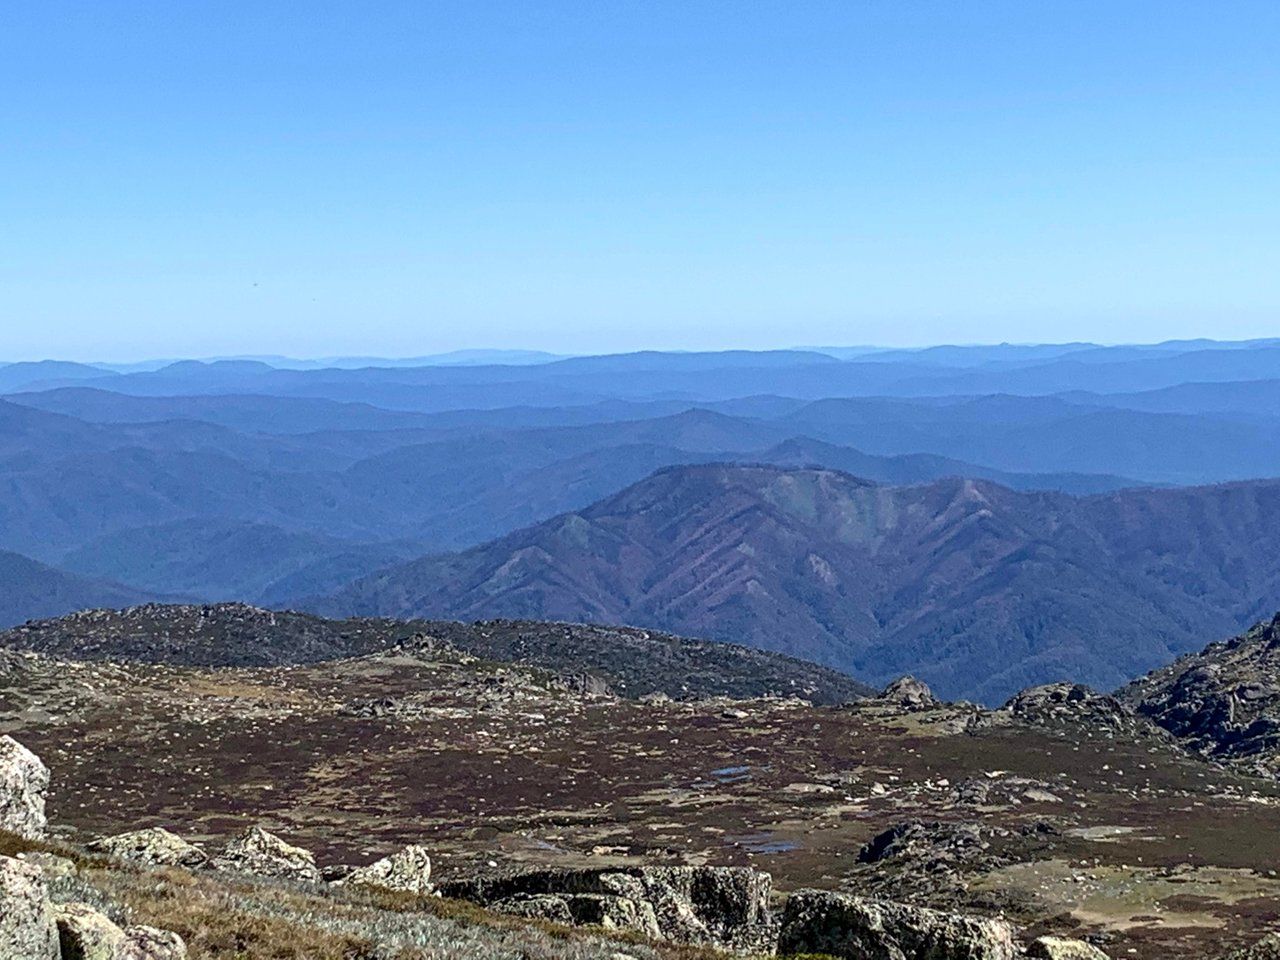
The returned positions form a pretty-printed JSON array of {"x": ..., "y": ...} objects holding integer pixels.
[{"x": 12, "y": 845}]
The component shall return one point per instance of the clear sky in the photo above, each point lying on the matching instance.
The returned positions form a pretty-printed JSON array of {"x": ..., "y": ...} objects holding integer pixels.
[{"x": 313, "y": 178}]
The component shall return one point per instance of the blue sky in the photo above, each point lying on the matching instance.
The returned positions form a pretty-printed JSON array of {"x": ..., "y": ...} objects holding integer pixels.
[{"x": 204, "y": 178}]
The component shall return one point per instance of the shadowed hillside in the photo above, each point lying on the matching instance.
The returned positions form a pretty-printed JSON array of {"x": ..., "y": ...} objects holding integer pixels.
[
  {"x": 32, "y": 589},
  {"x": 979, "y": 589}
]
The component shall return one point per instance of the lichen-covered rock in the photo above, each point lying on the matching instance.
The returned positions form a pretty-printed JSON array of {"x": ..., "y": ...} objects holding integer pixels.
[
  {"x": 1268, "y": 948},
  {"x": 408, "y": 871},
  {"x": 24, "y": 781},
  {"x": 817, "y": 921},
  {"x": 148, "y": 943},
  {"x": 1060, "y": 948},
  {"x": 709, "y": 906},
  {"x": 910, "y": 694},
  {"x": 52, "y": 864},
  {"x": 635, "y": 915},
  {"x": 86, "y": 934},
  {"x": 27, "y": 929},
  {"x": 263, "y": 854},
  {"x": 542, "y": 907},
  {"x": 154, "y": 845}
]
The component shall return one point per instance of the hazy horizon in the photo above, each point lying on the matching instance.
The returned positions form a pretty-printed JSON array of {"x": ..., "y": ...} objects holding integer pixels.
[
  {"x": 410, "y": 179},
  {"x": 522, "y": 355}
]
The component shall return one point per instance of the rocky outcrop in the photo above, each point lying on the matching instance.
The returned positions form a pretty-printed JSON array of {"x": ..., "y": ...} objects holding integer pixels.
[
  {"x": 709, "y": 906},
  {"x": 855, "y": 928},
  {"x": 24, "y": 781},
  {"x": 155, "y": 846},
  {"x": 263, "y": 854},
  {"x": 925, "y": 842},
  {"x": 408, "y": 871},
  {"x": 1059, "y": 948},
  {"x": 1068, "y": 704},
  {"x": 909, "y": 694},
  {"x": 27, "y": 928},
  {"x": 1223, "y": 702},
  {"x": 928, "y": 862}
]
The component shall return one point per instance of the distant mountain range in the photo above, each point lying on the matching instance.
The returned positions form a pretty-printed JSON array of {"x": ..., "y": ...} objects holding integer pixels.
[
  {"x": 271, "y": 480},
  {"x": 978, "y": 589},
  {"x": 181, "y": 496},
  {"x": 694, "y": 377}
]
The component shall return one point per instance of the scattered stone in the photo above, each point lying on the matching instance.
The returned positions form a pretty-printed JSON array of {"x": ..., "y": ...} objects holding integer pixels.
[
  {"x": 148, "y": 943},
  {"x": 263, "y": 854},
  {"x": 1037, "y": 795},
  {"x": 24, "y": 781},
  {"x": 725, "y": 907},
  {"x": 408, "y": 871},
  {"x": 584, "y": 685},
  {"x": 973, "y": 792},
  {"x": 1003, "y": 791},
  {"x": 1059, "y": 948},
  {"x": 1268, "y": 948},
  {"x": 805, "y": 788},
  {"x": 27, "y": 927},
  {"x": 376, "y": 708},
  {"x": 154, "y": 845},
  {"x": 844, "y": 926},
  {"x": 910, "y": 694}
]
